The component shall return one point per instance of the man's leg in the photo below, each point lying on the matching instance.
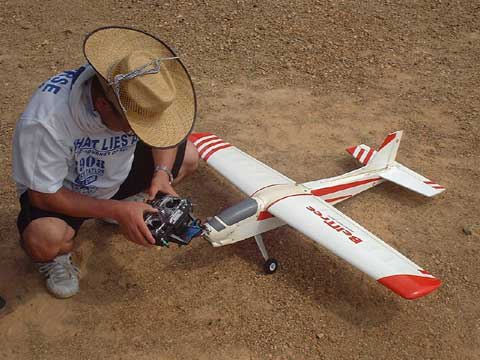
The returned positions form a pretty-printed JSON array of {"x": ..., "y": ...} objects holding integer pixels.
[
  {"x": 47, "y": 237},
  {"x": 189, "y": 163}
]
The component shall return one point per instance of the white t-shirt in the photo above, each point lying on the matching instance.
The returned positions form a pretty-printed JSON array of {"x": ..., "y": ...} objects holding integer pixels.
[{"x": 60, "y": 140}]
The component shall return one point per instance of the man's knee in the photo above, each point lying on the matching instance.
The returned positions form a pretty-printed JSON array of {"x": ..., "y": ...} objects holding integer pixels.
[{"x": 45, "y": 238}]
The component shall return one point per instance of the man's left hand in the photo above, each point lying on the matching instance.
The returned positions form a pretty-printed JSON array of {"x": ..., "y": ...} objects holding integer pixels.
[{"x": 160, "y": 183}]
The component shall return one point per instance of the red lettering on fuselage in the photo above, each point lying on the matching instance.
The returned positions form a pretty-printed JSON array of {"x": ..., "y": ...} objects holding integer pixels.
[{"x": 336, "y": 226}]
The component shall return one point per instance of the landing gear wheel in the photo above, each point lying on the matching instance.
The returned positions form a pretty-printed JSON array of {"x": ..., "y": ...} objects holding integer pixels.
[{"x": 271, "y": 265}]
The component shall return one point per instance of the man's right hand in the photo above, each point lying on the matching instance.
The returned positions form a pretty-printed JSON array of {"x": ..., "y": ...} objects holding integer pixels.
[{"x": 129, "y": 215}]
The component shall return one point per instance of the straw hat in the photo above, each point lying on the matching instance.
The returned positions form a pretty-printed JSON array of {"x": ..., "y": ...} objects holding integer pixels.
[{"x": 151, "y": 84}]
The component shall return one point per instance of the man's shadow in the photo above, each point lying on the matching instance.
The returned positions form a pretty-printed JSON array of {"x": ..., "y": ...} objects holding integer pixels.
[{"x": 105, "y": 275}]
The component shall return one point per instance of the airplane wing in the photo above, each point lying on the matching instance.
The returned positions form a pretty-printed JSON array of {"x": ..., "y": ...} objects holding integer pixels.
[
  {"x": 245, "y": 172},
  {"x": 329, "y": 227}
]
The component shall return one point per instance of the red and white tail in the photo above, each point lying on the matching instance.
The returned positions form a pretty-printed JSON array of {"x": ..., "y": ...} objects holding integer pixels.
[
  {"x": 382, "y": 162},
  {"x": 383, "y": 157},
  {"x": 363, "y": 153}
]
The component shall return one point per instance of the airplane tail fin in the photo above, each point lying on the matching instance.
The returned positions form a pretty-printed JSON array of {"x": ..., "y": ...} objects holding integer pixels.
[
  {"x": 381, "y": 158},
  {"x": 382, "y": 162}
]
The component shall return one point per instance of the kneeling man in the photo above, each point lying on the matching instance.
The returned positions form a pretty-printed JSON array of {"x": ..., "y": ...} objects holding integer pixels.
[{"x": 92, "y": 139}]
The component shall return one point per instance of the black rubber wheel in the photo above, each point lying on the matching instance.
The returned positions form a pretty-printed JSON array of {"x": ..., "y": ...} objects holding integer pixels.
[{"x": 271, "y": 265}]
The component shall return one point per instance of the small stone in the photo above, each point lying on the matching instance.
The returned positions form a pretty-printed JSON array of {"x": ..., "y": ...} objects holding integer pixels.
[{"x": 467, "y": 230}]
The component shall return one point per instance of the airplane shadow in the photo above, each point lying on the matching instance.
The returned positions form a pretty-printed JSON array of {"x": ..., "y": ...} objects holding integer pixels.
[
  {"x": 320, "y": 276},
  {"x": 326, "y": 280}
]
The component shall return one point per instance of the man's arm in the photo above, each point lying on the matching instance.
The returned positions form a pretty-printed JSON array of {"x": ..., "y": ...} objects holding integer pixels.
[
  {"x": 161, "y": 179},
  {"x": 128, "y": 214}
]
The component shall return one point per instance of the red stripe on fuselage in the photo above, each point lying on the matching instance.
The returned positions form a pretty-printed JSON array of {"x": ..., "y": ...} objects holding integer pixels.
[
  {"x": 338, "y": 198},
  {"x": 332, "y": 189}
]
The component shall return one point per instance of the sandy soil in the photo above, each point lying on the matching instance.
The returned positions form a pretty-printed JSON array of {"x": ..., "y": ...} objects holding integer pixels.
[{"x": 293, "y": 83}]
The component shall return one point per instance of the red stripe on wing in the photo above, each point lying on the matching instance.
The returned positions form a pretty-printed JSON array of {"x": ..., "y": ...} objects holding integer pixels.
[
  {"x": 195, "y": 136},
  {"x": 215, "y": 150},
  {"x": 204, "y": 141},
  {"x": 214, "y": 142}
]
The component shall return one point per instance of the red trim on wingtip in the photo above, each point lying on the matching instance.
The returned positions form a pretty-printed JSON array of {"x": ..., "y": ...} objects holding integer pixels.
[
  {"x": 410, "y": 286},
  {"x": 387, "y": 140},
  {"x": 195, "y": 136}
]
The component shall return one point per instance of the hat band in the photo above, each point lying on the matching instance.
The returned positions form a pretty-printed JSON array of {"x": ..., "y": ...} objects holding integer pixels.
[{"x": 152, "y": 67}]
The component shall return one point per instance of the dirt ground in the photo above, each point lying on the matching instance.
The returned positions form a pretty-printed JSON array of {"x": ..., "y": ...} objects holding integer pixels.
[{"x": 293, "y": 83}]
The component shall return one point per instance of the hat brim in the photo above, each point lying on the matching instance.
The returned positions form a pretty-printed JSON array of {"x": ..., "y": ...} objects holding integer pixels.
[{"x": 107, "y": 46}]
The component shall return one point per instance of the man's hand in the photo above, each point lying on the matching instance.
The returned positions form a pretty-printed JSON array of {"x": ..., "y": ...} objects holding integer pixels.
[
  {"x": 129, "y": 215},
  {"x": 160, "y": 183}
]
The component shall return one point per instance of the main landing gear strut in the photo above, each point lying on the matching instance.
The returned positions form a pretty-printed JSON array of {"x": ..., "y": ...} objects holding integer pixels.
[{"x": 270, "y": 265}]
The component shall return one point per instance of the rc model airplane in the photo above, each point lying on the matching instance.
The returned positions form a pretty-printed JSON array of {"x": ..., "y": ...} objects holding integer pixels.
[{"x": 275, "y": 200}]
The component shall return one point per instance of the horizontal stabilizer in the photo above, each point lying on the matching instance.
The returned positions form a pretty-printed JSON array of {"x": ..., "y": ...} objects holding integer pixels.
[{"x": 405, "y": 177}]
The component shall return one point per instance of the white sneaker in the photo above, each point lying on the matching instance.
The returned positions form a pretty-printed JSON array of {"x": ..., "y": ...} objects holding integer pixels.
[
  {"x": 140, "y": 197},
  {"x": 62, "y": 276}
]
